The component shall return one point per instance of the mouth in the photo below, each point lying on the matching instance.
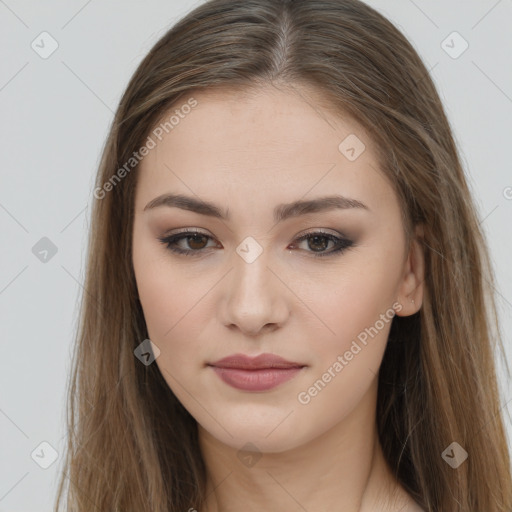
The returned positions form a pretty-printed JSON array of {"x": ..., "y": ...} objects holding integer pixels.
[{"x": 260, "y": 373}]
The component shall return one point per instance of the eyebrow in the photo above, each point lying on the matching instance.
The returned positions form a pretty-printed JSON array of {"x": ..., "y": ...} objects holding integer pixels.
[{"x": 281, "y": 212}]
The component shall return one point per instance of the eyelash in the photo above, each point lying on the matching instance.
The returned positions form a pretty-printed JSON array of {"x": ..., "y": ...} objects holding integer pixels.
[{"x": 341, "y": 244}]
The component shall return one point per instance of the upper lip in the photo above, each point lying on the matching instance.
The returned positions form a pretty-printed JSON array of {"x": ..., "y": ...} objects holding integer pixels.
[{"x": 243, "y": 362}]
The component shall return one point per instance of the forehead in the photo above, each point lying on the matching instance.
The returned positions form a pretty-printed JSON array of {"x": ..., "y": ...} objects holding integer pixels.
[
  {"x": 263, "y": 143},
  {"x": 264, "y": 120}
]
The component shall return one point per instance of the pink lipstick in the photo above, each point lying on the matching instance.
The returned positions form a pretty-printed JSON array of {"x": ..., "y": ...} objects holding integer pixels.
[{"x": 260, "y": 373}]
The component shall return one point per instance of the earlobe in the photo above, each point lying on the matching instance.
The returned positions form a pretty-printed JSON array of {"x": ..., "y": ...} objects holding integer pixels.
[{"x": 410, "y": 295}]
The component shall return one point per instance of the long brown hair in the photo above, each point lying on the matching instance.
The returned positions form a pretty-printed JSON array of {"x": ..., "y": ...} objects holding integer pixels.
[{"x": 131, "y": 444}]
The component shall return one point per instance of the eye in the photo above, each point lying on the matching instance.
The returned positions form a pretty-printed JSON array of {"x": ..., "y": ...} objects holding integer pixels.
[
  {"x": 317, "y": 243},
  {"x": 195, "y": 240},
  {"x": 194, "y": 243}
]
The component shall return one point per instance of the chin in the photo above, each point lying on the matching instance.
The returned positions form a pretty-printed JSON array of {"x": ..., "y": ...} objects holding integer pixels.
[{"x": 254, "y": 433}]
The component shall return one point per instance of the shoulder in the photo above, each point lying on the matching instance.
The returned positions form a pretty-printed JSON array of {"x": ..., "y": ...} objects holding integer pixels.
[
  {"x": 409, "y": 505},
  {"x": 413, "y": 507}
]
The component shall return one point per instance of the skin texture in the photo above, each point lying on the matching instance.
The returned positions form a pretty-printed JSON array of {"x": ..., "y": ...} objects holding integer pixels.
[{"x": 248, "y": 152}]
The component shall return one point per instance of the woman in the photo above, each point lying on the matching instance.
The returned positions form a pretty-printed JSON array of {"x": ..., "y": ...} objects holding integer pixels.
[{"x": 288, "y": 297}]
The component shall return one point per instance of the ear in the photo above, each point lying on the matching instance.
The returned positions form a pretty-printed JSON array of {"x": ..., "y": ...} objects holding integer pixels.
[{"x": 410, "y": 291}]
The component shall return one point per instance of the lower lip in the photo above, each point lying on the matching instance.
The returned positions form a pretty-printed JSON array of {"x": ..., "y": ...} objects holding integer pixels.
[{"x": 255, "y": 380}]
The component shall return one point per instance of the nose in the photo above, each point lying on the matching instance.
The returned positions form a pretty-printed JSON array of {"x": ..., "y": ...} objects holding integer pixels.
[{"x": 254, "y": 299}]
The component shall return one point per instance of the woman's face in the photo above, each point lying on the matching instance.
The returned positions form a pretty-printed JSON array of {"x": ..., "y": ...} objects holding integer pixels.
[{"x": 254, "y": 172}]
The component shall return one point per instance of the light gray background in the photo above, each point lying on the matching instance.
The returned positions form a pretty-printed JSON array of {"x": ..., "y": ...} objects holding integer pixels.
[{"x": 55, "y": 113}]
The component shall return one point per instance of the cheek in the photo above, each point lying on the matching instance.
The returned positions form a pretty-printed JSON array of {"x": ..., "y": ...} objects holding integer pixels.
[
  {"x": 168, "y": 301},
  {"x": 169, "y": 314},
  {"x": 346, "y": 301},
  {"x": 347, "y": 357},
  {"x": 346, "y": 363},
  {"x": 176, "y": 309},
  {"x": 156, "y": 287}
]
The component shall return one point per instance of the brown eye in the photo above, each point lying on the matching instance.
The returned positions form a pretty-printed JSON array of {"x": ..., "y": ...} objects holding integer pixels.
[
  {"x": 197, "y": 241},
  {"x": 188, "y": 243},
  {"x": 318, "y": 243}
]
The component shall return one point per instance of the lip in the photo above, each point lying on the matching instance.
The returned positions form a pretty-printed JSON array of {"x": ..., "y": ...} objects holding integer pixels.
[
  {"x": 259, "y": 373},
  {"x": 263, "y": 361}
]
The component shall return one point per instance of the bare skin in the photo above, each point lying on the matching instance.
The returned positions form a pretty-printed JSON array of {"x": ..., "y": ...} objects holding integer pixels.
[{"x": 289, "y": 447}]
